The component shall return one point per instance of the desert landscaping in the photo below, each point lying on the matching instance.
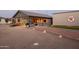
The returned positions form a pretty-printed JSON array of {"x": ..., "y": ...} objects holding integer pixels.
[
  {"x": 29, "y": 30},
  {"x": 34, "y": 38}
]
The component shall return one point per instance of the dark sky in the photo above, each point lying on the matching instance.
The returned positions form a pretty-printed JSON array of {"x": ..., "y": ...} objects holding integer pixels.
[{"x": 10, "y": 13}]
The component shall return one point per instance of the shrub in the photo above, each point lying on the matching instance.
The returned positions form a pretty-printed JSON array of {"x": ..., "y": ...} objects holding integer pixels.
[{"x": 66, "y": 27}]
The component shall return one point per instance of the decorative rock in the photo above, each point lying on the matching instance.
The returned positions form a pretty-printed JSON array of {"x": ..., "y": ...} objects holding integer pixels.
[
  {"x": 44, "y": 31},
  {"x": 35, "y": 43},
  {"x": 33, "y": 28},
  {"x": 60, "y": 36}
]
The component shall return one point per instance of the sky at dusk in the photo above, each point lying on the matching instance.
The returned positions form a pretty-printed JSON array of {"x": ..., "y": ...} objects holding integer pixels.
[{"x": 10, "y": 13}]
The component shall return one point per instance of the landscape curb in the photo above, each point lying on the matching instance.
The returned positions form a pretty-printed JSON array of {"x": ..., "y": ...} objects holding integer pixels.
[{"x": 50, "y": 32}]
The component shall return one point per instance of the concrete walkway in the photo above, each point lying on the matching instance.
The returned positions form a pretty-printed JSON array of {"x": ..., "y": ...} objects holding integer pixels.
[{"x": 67, "y": 33}]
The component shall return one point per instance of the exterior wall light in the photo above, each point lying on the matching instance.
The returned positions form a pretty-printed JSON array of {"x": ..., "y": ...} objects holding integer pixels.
[{"x": 71, "y": 19}]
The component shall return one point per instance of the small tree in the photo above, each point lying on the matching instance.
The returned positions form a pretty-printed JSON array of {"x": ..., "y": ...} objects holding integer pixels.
[
  {"x": 0, "y": 19},
  {"x": 6, "y": 20}
]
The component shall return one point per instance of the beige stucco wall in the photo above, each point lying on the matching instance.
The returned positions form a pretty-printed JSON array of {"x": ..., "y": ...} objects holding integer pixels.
[{"x": 62, "y": 19}]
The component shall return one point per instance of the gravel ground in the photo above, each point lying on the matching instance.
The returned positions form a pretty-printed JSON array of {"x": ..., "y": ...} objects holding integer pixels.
[{"x": 29, "y": 38}]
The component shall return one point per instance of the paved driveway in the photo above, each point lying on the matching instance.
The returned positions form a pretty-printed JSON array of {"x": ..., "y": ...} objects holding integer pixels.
[{"x": 27, "y": 38}]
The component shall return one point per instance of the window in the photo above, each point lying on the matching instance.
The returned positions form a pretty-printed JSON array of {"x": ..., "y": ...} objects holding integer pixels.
[
  {"x": 44, "y": 20},
  {"x": 18, "y": 20}
]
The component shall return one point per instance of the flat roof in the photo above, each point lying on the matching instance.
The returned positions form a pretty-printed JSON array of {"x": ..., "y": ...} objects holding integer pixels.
[{"x": 66, "y": 12}]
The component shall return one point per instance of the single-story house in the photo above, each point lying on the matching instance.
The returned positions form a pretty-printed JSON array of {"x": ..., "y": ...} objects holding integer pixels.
[
  {"x": 2, "y": 20},
  {"x": 69, "y": 18},
  {"x": 24, "y": 17},
  {"x": 5, "y": 20}
]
